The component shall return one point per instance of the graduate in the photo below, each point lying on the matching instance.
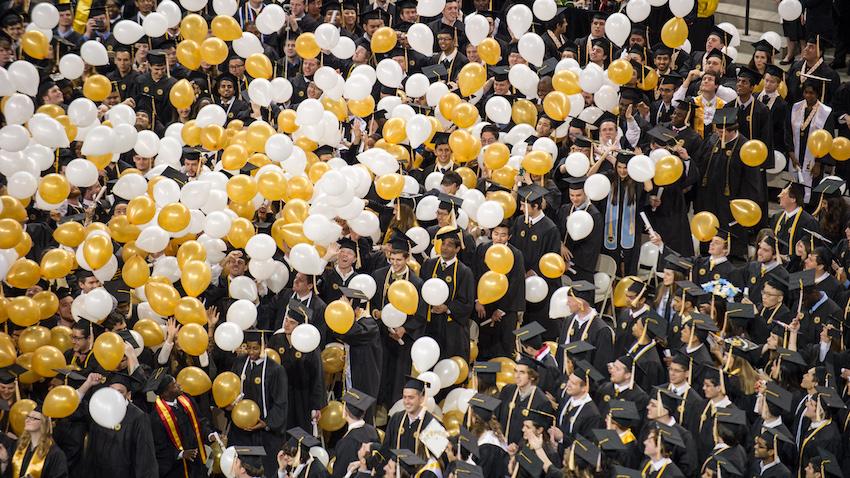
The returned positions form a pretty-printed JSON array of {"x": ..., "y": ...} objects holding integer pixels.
[
  {"x": 357, "y": 432},
  {"x": 363, "y": 353},
  {"x": 767, "y": 451},
  {"x": 623, "y": 225},
  {"x": 264, "y": 382},
  {"x": 756, "y": 273},
  {"x": 487, "y": 431},
  {"x": 305, "y": 391},
  {"x": 448, "y": 323},
  {"x": 582, "y": 255},
  {"x": 342, "y": 272},
  {"x": 518, "y": 398},
  {"x": 577, "y": 412},
  {"x": 447, "y": 210},
  {"x": 639, "y": 297},
  {"x": 623, "y": 419},
  {"x": 585, "y": 325},
  {"x": 295, "y": 458},
  {"x": 622, "y": 386},
  {"x": 823, "y": 432},
  {"x": 36, "y": 452},
  {"x": 404, "y": 427}
]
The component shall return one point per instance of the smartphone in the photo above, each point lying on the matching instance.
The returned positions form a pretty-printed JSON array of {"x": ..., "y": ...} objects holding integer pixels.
[{"x": 99, "y": 25}]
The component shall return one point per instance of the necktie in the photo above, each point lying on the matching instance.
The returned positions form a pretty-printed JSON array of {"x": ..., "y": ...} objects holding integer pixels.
[
  {"x": 765, "y": 99},
  {"x": 711, "y": 264},
  {"x": 763, "y": 270}
]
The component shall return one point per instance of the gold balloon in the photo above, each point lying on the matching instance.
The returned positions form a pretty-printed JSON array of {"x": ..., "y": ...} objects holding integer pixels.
[
  {"x": 182, "y": 95},
  {"x": 54, "y": 188},
  {"x": 272, "y": 355},
  {"x": 23, "y": 274},
  {"x": 286, "y": 121},
  {"x": 135, "y": 272},
  {"x": 150, "y": 331},
  {"x": 241, "y": 188},
  {"x": 496, "y": 155},
  {"x": 129, "y": 250},
  {"x": 537, "y": 162},
  {"x": 258, "y": 133},
  {"x": 18, "y": 414},
  {"x": 362, "y": 108},
  {"x": 190, "y": 310},
  {"x": 505, "y": 200},
  {"x": 194, "y": 381},
  {"x": 620, "y": 299},
  {"x": 46, "y": 359},
  {"x": 524, "y": 112},
  {"x": 161, "y": 297},
  {"x": 54, "y": 111},
  {"x": 471, "y": 78},
  {"x": 258, "y": 65},
  {"x": 47, "y": 302},
  {"x": 491, "y": 287},
  {"x": 668, "y": 170},
  {"x": 60, "y": 337},
  {"x": 745, "y": 211},
  {"x": 468, "y": 176},
  {"x": 620, "y": 71},
  {"x": 226, "y": 387},
  {"x": 453, "y": 420},
  {"x": 109, "y": 350},
  {"x": 840, "y": 150},
  {"x": 490, "y": 51},
  {"x": 32, "y": 338},
  {"x": 819, "y": 143},
  {"x": 403, "y": 296},
  {"x": 465, "y": 114},
  {"x": 56, "y": 264},
  {"x": 191, "y": 133},
  {"x": 234, "y": 157},
  {"x": 11, "y": 232},
  {"x": 13, "y": 209},
  {"x": 289, "y": 235},
  {"x": 338, "y": 107},
  {"x": 193, "y": 339},
  {"x": 463, "y": 366},
  {"x": 674, "y": 32},
  {"x": 97, "y": 250},
  {"x": 8, "y": 353},
  {"x": 61, "y": 402},
  {"x": 140, "y": 210},
  {"x": 394, "y": 131},
  {"x": 556, "y": 105},
  {"x": 704, "y": 226},
  {"x": 299, "y": 187},
  {"x": 174, "y": 217},
  {"x": 245, "y": 414},
  {"x": 473, "y": 350},
  {"x": 753, "y": 153},
  {"x": 97, "y": 87},
  {"x": 195, "y": 277},
  {"x": 504, "y": 176},
  {"x": 23, "y": 311},
  {"x": 331, "y": 418},
  {"x": 35, "y": 44},
  {"x": 333, "y": 359},
  {"x": 339, "y": 316},
  {"x": 213, "y": 51},
  {"x": 122, "y": 231},
  {"x": 189, "y": 54},
  {"x": 499, "y": 258},
  {"x": 70, "y": 127},
  {"x": 706, "y": 8},
  {"x": 389, "y": 186},
  {"x": 70, "y": 234},
  {"x": 226, "y": 28},
  {"x": 241, "y": 230},
  {"x": 552, "y": 265},
  {"x": 317, "y": 170},
  {"x": 295, "y": 210},
  {"x": 306, "y": 46},
  {"x": 464, "y": 145},
  {"x": 23, "y": 247},
  {"x": 194, "y": 27},
  {"x": 447, "y": 105},
  {"x": 383, "y": 40},
  {"x": 566, "y": 81}
]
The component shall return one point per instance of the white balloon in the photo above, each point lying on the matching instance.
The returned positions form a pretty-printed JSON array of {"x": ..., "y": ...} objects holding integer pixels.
[
  {"x": 167, "y": 267},
  {"x": 247, "y": 45},
  {"x": 6, "y": 86},
  {"x": 638, "y": 10},
  {"x": 108, "y": 407},
  {"x": 193, "y": 5},
  {"x": 228, "y": 336},
  {"x": 773, "y": 38},
  {"x": 544, "y": 10},
  {"x": 416, "y": 85},
  {"x": 260, "y": 91},
  {"x": 211, "y": 114},
  {"x": 155, "y": 24},
  {"x": 261, "y": 246},
  {"x": 536, "y": 289},
  {"x": 498, "y": 109},
  {"x": 306, "y": 338},
  {"x": 243, "y": 287},
  {"x": 71, "y": 66},
  {"x": 435, "y": 92},
  {"x": 271, "y": 19},
  {"x": 152, "y": 239},
  {"x": 279, "y": 278},
  {"x": 519, "y": 19},
  {"x": 83, "y": 112},
  {"x": 733, "y": 31},
  {"x": 309, "y": 112},
  {"x": 579, "y": 225},
  {"x": 418, "y": 129},
  {"x": 590, "y": 79},
  {"x": 392, "y": 317},
  {"x": 365, "y": 224},
  {"x": 779, "y": 163},
  {"x": 130, "y": 186},
  {"x": 166, "y": 191},
  {"x": 94, "y": 53},
  {"x": 430, "y": 8},
  {"x": 243, "y": 313},
  {"x": 128, "y": 32},
  {"x": 577, "y": 164},
  {"x": 597, "y": 187},
  {"x": 24, "y": 77},
  {"x": 532, "y": 49},
  {"x": 420, "y": 238},
  {"x": 147, "y": 144},
  {"x": 14, "y": 138},
  {"x": 304, "y": 258},
  {"x": 228, "y": 462},
  {"x": 325, "y": 77},
  {"x": 432, "y": 383},
  {"x": 477, "y": 27},
  {"x": 22, "y": 184},
  {"x": 641, "y": 168},
  {"x": 81, "y": 173},
  {"x": 617, "y": 28},
  {"x": 681, "y": 8},
  {"x": 607, "y": 97},
  {"x": 281, "y": 90},
  {"x": 425, "y": 352},
  {"x": 447, "y": 371},
  {"x": 558, "y": 306},
  {"x": 490, "y": 214},
  {"x": 100, "y": 140},
  {"x": 344, "y": 48},
  {"x": 421, "y": 38},
  {"x": 657, "y": 3},
  {"x": 389, "y": 73},
  {"x": 45, "y": 15},
  {"x": 426, "y": 208},
  {"x": 227, "y": 8},
  {"x": 435, "y": 291},
  {"x": 327, "y": 36}
]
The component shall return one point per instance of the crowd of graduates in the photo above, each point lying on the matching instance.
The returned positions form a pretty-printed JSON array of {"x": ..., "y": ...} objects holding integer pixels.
[{"x": 280, "y": 239}]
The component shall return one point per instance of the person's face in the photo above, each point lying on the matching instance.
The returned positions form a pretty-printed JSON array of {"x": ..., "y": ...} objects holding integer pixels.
[
  {"x": 301, "y": 284},
  {"x": 810, "y": 52},
  {"x": 575, "y": 386},
  {"x": 662, "y": 62},
  {"x": 372, "y": 25},
  {"x": 310, "y": 66},
  {"x": 713, "y": 64},
  {"x": 717, "y": 246},
  {"x": 500, "y": 235},
  {"x": 226, "y": 90},
  {"x": 346, "y": 258},
  {"x": 33, "y": 421},
  {"x": 444, "y": 217},
  {"x": 764, "y": 253},
  {"x": 761, "y": 450},
  {"x": 743, "y": 87},
  {"x": 238, "y": 267},
  {"x": 289, "y": 49},
  {"x": 65, "y": 18},
  {"x": 811, "y": 262},
  {"x": 811, "y": 410},
  {"x": 597, "y": 27},
  {"x": 5, "y": 53},
  {"x": 443, "y": 153},
  {"x": 65, "y": 308},
  {"x": 770, "y": 297},
  {"x": 412, "y": 400},
  {"x": 236, "y": 67},
  {"x": 622, "y": 170},
  {"x": 650, "y": 448},
  {"x": 89, "y": 284},
  {"x": 123, "y": 61},
  {"x": 79, "y": 341},
  {"x": 521, "y": 377},
  {"x": 619, "y": 373},
  {"x": 810, "y": 95},
  {"x": 446, "y": 42},
  {"x": 597, "y": 54},
  {"x": 7, "y": 390},
  {"x": 297, "y": 7},
  {"x": 289, "y": 325},
  {"x": 157, "y": 72},
  {"x": 577, "y": 197},
  {"x": 397, "y": 261},
  {"x": 120, "y": 210},
  {"x": 667, "y": 92},
  {"x": 502, "y": 87},
  {"x": 254, "y": 350},
  {"x": 685, "y": 333},
  {"x": 544, "y": 126},
  {"x": 810, "y": 472},
  {"x": 676, "y": 373},
  {"x": 313, "y": 91},
  {"x": 361, "y": 55},
  {"x": 710, "y": 390},
  {"x": 333, "y": 17},
  {"x": 314, "y": 8},
  {"x": 54, "y": 96},
  {"x": 488, "y": 138},
  {"x": 472, "y": 53},
  {"x": 15, "y": 31},
  {"x": 448, "y": 250},
  {"x": 349, "y": 17},
  {"x": 450, "y": 11},
  {"x": 607, "y": 131},
  {"x": 760, "y": 59},
  {"x": 144, "y": 6},
  {"x": 142, "y": 164},
  {"x": 191, "y": 166},
  {"x": 712, "y": 42},
  {"x": 678, "y": 117}
]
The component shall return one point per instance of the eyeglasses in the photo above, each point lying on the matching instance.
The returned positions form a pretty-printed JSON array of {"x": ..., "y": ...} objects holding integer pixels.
[
  {"x": 31, "y": 417},
  {"x": 77, "y": 338}
]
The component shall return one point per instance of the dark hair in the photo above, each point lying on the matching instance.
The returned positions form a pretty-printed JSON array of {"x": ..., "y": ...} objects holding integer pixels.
[
  {"x": 83, "y": 327},
  {"x": 452, "y": 177},
  {"x": 727, "y": 435},
  {"x": 112, "y": 320},
  {"x": 716, "y": 76},
  {"x": 355, "y": 413},
  {"x": 455, "y": 240}
]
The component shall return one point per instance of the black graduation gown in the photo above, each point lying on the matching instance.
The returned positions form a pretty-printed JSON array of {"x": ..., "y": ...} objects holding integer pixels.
[
  {"x": 787, "y": 451},
  {"x": 685, "y": 458},
  {"x": 536, "y": 240},
  {"x": 789, "y": 230},
  {"x": 492, "y": 459},
  {"x": 126, "y": 83},
  {"x": 753, "y": 279},
  {"x": 827, "y": 436},
  {"x": 396, "y": 357},
  {"x": 170, "y": 466},
  {"x": 54, "y": 465},
  {"x": 451, "y": 330},
  {"x": 708, "y": 419},
  {"x": 733, "y": 454},
  {"x": 595, "y": 332},
  {"x": 348, "y": 446},
  {"x": 704, "y": 271},
  {"x": 578, "y": 421},
  {"x": 128, "y": 452},
  {"x": 305, "y": 379},
  {"x": 154, "y": 95},
  {"x": 623, "y": 337},
  {"x": 586, "y": 251},
  {"x": 237, "y": 108},
  {"x": 794, "y": 81},
  {"x": 607, "y": 392},
  {"x": 649, "y": 370},
  {"x": 659, "y": 112},
  {"x": 513, "y": 410},
  {"x": 364, "y": 356},
  {"x": 402, "y": 434},
  {"x": 466, "y": 254},
  {"x": 759, "y": 327},
  {"x": 781, "y": 134},
  {"x": 813, "y": 319},
  {"x": 671, "y": 470},
  {"x": 330, "y": 284},
  {"x": 754, "y": 122},
  {"x": 496, "y": 339},
  {"x": 779, "y": 470}
]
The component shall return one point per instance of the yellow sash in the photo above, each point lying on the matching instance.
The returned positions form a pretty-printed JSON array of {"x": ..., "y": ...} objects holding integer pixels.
[
  {"x": 81, "y": 16},
  {"x": 699, "y": 121},
  {"x": 34, "y": 468}
]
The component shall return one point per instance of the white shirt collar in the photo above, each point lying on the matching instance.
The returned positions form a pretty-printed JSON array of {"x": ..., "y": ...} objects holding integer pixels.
[
  {"x": 344, "y": 276},
  {"x": 536, "y": 219},
  {"x": 304, "y": 297},
  {"x": 620, "y": 388},
  {"x": 575, "y": 402},
  {"x": 763, "y": 466},
  {"x": 792, "y": 213},
  {"x": 418, "y": 416},
  {"x": 447, "y": 263},
  {"x": 816, "y": 424},
  {"x": 773, "y": 423},
  {"x": 656, "y": 465},
  {"x": 640, "y": 311},
  {"x": 718, "y": 260},
  {"x": 356, "y": 425},
  {"x": 723, "y": 403},
  {"x": 582, "y": 319},
  {"x": 746, "y": 103},
  {"x": 449, "y": 57},
  {"x": 681, "y": 389}
]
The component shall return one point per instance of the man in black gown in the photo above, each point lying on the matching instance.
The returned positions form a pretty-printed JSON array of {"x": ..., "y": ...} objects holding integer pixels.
[{"x": 357, "y": 433}]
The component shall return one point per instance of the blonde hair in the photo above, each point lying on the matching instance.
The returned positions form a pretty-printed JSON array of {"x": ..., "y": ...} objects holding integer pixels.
[{"x": 46, "y": 438}]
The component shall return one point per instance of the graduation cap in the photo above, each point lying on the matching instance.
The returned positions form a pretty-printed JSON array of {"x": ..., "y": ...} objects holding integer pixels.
[
  {"x": 582, "y": 289},
  {"x": 726, "y": 117},
  {"x": 254, "y": 335},
  {"x": 802, "y": 279},
  {"x": 455, "y": 232},
  {"x": 820, "y": 41},
  {"x": 585, "y": 371},
  {"x": 774, "y": 280},
  {"x": 548, "y": 67},
  {"x": 722, "y": 466},
  {"x": 671, "y": 78},
  {"x": 532, "y": 193},
  {"x": 774, "y": 71},
  {"x": 465, "y": 470},
  {"x": 353, "y": 293},
  {"x": 829, "y": 397},
  {"x": 777, "y": 395},
  {"x": 717, "y": 53},
  {"x": 414, "y": 383},
  {"x": 586, "y": 450},
  {"x": 765, "y": 46},
  {"x": 435, "y": 72},
  {"x": 680, "y": 264},
  {"x": 400, "y": 241},
  {"x": 720, "y": 33},
  {"x": 157, "y": 57},
  {"x": 409, "y": 461},
  {"x": 119, "y": 289},
  {"x": 568, "y": 46},
  {"x": 607, "y": 440},
  {"x": 639, "y": 50},
  {"x": 772, "y": 436},
  {"x": 579, "y": 347},
  {"x": 449, "y": 203},
  {"x": 661, "y": 49},
  {"x": 70, "y": 374},
  {"x": 582, "y": 141},
  {"x": 375, "y": 14},
  {"x": 302, "y": 438},
  {"x": 401, "y": 4},
  {"x": 467, "y": 441},
  {"x": 829, "y": 187},
  {"x": 11, "y": 373},
  {"x": 129, "y": 382},
  {"x": 634, "y": 95},
  {"x": 663, "y": 136},
  {"x": 499, "y": 72},
  {"x": 540, "y": 418},
  {"x": 357, "y": 400},
  {"x": 731, "y": 416},
  {"x": 126, "y": 336},
  {"x": 158, "y": 381},
  {"x": 602, "y": 43},
  {"x": 529, "y": 332},
  {"x": 331, "y": 5},
  {"x": 669, "y": 435},
  {"x": 624, "y": 412},
  {"x": 251, "y": 455},
  {"x": 441, "y": 138},
  {"x": 667, "y": 399},
  {"x": 484, "y": 405},
  {"x": 750, "y": 74},
  {"x": 576, "y": 182},
  {"x": 296, "y": 311},
  {"x": 655, "y": 324},
  {"x": 176, "y": 175},
  {"x": 623, "y": 472},
  {"x": 739, "y": 311},
  {"x": 639, "y": 288},
  {"x": 791, "y": 356},
  {"x": 529, "y": 462},
  {"x": 826, "y": 463},
  {"x": 486, "y": 367}
]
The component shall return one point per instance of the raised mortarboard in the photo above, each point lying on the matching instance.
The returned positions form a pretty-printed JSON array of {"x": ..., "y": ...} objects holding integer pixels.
[
  {"x": 586, "y": 450},
  {"x": 302, "y": 438},
  {"x": 70, "y": 374},
  {"x": 441, "y": 138},
  {"x": 740, "y": 311},
  {"x": 529, "y": 462},
  {"x": 529, "y": 331},
  {"x": 585, "y": 371},
  {"x": 791, "y": 356},
  {"x": 742, "y": 346},
  {"x": 467, "y": 441},
  {"x": 180, "y": 178},
  {"x": 465, "y": 470},
  {"x": 750, "y": 74},
  {"x": 414, "y": 383},
  {"x": 662, "y": 135},
  {"x": 826, "y": 464},
  {"x": 607, "y": 440},
  {"x": 499, "y": 72},
  {"x": 358, "y": 400},
  {"x": 353, "y": 293},
  {"x": 624, "y": 412},
  {"x": 830, "y": 187},
  {"x": 579, "y": 347},
  {"x": 726, "y": 117},
  {"x": 158, "y": 381},
  {"x": 531, "y": 193},
  {"x": 484, "y": 405},
  {"x": 486, "y": 367},
  {"x": 799, "y": 280},
  {"x": 778, "y": 396},
  {"x": 582, "y": 141}
]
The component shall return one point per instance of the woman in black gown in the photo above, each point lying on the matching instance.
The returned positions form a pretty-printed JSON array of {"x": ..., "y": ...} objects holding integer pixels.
[{"x": 36, "y": 453}]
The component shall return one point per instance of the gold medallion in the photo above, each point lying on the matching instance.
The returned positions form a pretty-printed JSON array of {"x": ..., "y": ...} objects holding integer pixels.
[
  {"x": 521, "y": 233},
  {"x": 607, "y": 398},
  {"x": 297, "y": 354},
  {"x": 817, "y": 320},
  {"x": 146, "y": 89},
  {"x": 534, "y": 237},
  {"x": 675, "y": 329},
  {"x": 525, "y": 412},
  {"x": 702, "y": 271},
  {"x": 448, "y": 280},
  {"x": 257, "y": 380},
  {"x": 716, "y": 276},
  {"x": 300, "y": 93},
  {"x": 159, "y": 92},
  {"x": 753, "y": 280},
  {"x": 281, "y": 350},
  {"x": 336, "y": 286}
]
